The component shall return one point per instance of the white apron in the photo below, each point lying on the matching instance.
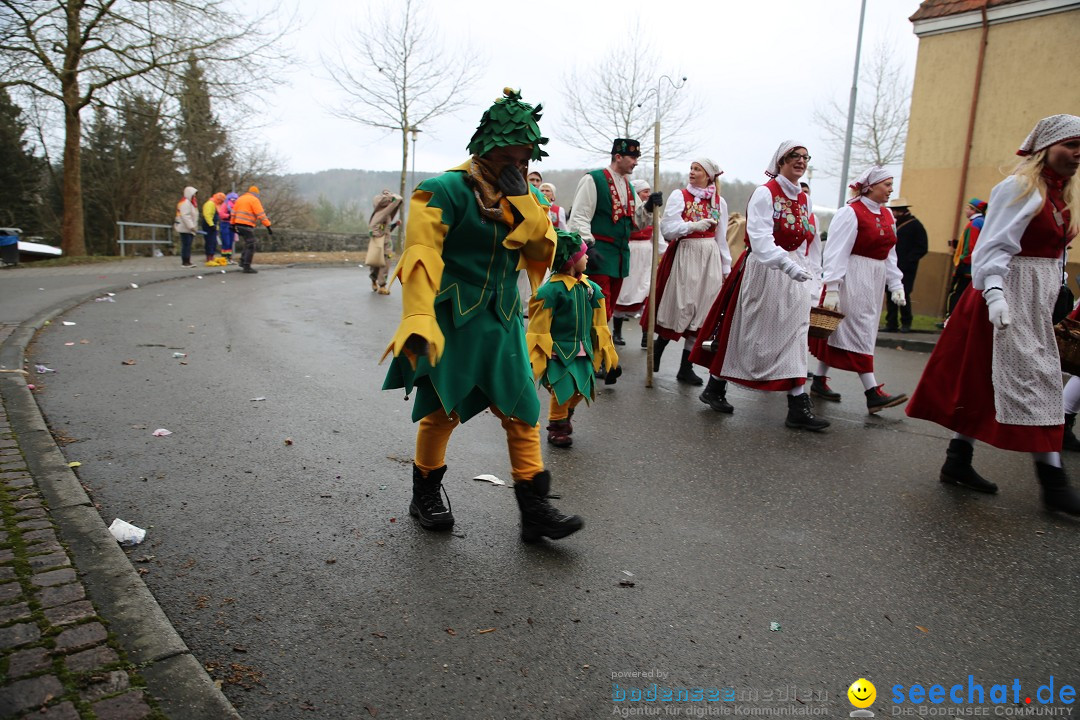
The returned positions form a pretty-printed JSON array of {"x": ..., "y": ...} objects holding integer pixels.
[
  {"x": 1026, "y": 368},
  {"x": 695, "y": 281},
  {"x": 635, "y": 287},
  {"x": 861, "y": 296},
  {"x": 772, "y": 318}
]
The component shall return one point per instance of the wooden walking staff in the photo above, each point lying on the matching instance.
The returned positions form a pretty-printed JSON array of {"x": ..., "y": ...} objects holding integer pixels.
[
  {"x": 656, "y": 230},
  {"x": 655, "y": 251}
]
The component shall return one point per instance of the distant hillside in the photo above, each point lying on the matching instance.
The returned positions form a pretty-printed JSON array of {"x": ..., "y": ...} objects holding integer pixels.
[{"x": 342, "y": 188}]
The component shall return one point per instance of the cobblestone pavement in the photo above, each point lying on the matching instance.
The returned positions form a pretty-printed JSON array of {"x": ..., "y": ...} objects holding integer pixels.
[
  {"x": 80, "y": 635},
  {"x": 57, "y": 660}
]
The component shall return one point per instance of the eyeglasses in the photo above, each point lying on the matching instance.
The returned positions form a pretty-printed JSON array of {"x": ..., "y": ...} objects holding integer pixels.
[{"x": 796, "y": 156}]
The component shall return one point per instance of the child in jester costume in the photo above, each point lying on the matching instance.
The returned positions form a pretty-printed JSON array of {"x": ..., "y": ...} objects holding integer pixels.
[
  {"x": 568, "y": 336},
  {"x": 461, "y": 342}
]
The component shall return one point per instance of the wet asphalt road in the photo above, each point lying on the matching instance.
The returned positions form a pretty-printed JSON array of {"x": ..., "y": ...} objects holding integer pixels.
[{"x": 299, "y": 563}]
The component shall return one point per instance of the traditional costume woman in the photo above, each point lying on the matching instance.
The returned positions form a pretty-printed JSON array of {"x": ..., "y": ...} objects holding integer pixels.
[
  {"x": 635, "y": 287},
  {"x": 756, "y": 332},
  {"x": 995, "y": 373},
  {"x": 695, "y": 263},
  {"x": 859, "y": 260}
]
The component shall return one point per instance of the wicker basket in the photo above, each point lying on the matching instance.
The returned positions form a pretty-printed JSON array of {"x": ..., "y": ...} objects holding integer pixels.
[
  {"x": 1068, "y": 341},
  {"x": 823, "y": 322}
]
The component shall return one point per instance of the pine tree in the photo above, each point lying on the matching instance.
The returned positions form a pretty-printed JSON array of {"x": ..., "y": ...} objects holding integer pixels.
[
  {"x": 23, "y": 172},
  {"x": 201, "y": 139}
]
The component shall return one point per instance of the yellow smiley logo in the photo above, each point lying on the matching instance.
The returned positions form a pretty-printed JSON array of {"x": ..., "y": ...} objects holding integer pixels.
[{"x": 862, "y": 693}]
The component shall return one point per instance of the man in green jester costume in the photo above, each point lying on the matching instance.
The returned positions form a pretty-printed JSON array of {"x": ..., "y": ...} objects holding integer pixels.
[{"x": 461, "y": 342}]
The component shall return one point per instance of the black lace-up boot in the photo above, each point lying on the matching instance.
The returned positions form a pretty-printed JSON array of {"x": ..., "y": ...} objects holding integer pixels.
[
  {"x": 715, "y": 396},
  {"x": 800, "y": 414},
  {"x": 686, "y": 372},
  {"x": 539, "y": 518},
  {"x": 427, "y": 500},
  {"x": 957, "y": 469},
  {"x": 1056, "y": 493}
]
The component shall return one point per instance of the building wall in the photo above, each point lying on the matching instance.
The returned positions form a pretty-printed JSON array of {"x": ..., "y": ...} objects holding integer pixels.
[{"x": 1029, "y": 73}]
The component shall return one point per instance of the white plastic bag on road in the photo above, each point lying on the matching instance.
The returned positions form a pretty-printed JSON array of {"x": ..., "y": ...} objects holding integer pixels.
[{"x": 126, "y": 533}]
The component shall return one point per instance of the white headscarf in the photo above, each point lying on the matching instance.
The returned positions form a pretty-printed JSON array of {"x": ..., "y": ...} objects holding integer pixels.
[
  {"x": 547, "y": 184},
  {"x": 778, "y": 157},
  {"x": 641, "y": 184},
  {"x": 871, "y": 176},
  {"x": 1050, "y": 131},
  {"x": 709, "y": 166}
]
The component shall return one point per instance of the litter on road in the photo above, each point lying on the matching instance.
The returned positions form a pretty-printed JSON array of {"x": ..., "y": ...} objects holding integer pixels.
[
  {"x": 126, "y": 533},
  {"x": 161, "y": 432},
  {"x": 489, "y": 478}
]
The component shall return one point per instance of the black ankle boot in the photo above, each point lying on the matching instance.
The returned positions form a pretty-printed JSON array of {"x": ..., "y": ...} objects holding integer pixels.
[
  {"x": 616, "y": 336},
  {"x": 800, "y": 414},
  {"x": 957, "y": 469},
  {"x": 686, "y": 372},
  {"x": 819, "y": 387},
  {"x": 715, "y": 396},
  {"x": 1056, "y": 493},
  {"x": 427, "y": 500},
  {"x": 644, "y": 340},
  {"x": 1069, "y": 441},
  {"x": 657, "y": 350},
  {"x": 539, "y": 518}
]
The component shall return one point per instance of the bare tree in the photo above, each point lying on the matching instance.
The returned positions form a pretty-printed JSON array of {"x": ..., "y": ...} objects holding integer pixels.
[
  {"x": 398, "y": 75},
  {"x": 75, "y": 52},
  {"x": 616, "y": 99},
  {"x": 881, "y": 115}
]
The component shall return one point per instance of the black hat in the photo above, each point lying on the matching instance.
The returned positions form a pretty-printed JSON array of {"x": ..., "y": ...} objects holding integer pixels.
[{"x": 626, "y": 146}]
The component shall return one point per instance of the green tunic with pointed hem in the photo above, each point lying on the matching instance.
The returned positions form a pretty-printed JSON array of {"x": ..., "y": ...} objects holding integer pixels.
[
  {"x": 571, "y": 328},
  {"x": 484, "y": 362},
  {"x": 612, "y": 258}
]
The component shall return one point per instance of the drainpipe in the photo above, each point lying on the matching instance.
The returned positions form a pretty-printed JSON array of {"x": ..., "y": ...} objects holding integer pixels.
[{"x": 970, "y": 136}]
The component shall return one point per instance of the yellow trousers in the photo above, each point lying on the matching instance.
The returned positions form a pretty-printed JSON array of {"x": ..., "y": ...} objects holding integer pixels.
[
  {"x": 522, "y": 442},
  {"x": 561, "y": 411}
]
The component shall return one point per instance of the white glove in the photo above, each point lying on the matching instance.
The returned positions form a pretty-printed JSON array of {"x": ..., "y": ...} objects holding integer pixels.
[
  {"x": 794, "y": 270},
  {"x": 898, "y": 298},
  {"x": 997, "y": 307},
  {"x": 832, "y": 299},
  {"x": 702, "y": 225}
]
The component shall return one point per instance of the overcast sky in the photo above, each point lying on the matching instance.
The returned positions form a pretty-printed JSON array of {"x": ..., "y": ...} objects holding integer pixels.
[{"x": 758, "y": 68}]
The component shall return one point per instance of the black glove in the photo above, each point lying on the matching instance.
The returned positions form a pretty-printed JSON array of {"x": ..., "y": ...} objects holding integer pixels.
[
  {"x": 417, "y": 345},
  {"x": 655, "y": 200},
  {"x": 269, "y": 230},
  {"x": 512, "y": 182}
]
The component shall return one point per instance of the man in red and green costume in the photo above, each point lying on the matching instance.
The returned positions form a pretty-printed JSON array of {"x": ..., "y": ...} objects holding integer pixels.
[
  {"x": 461, "y": 342},
  {"x": 605, "y": 213}
]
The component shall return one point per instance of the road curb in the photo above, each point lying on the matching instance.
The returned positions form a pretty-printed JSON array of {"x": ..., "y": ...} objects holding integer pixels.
[
  {"x": 175, "y": 678},
  {"x": 911, "y": 345}
]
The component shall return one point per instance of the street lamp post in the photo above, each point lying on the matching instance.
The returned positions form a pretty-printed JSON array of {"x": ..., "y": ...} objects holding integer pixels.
[
  {"x": 656, "y": 224},
  {"x": 412, "y": 174},
  {"x": 851, "y": 112}
]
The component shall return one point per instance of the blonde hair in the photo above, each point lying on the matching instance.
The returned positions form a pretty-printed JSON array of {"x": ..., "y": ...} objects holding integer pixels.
[{"x": 1029, "y": 173}]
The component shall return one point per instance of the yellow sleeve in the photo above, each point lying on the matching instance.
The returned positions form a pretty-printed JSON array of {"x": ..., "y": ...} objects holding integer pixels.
[
  {"x": 538, "y": 336},
  {"x": 209, "y": 211},
  {"x": 420, "y": 272},
  {"x": 534, "y": 236},
  {"x": 604, "y": 354}
]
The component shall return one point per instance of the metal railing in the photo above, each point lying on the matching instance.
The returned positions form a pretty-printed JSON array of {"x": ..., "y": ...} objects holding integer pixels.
[{"x": 153, "y": 235}]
